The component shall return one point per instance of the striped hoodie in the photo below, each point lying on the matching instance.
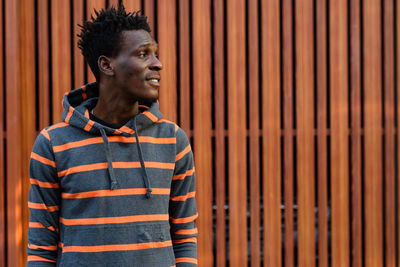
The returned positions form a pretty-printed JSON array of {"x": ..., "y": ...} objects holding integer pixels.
[{"x": 111, "y": 197}]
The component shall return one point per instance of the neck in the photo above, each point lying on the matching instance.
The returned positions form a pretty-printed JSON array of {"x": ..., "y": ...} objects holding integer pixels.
[{"x": 113, "y": 106}]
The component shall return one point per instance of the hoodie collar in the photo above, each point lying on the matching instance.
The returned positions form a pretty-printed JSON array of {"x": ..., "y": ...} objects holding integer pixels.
[{"x": 78, "y": 103}]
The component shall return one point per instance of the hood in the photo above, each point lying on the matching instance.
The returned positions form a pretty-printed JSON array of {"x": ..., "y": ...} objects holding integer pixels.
[{"x": 77, "y": 105}]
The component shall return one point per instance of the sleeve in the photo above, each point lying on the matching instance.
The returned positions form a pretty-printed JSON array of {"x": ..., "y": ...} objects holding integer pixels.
[
  {"x": 182, "y": 205},
  {"x": 43, "y": 203}
]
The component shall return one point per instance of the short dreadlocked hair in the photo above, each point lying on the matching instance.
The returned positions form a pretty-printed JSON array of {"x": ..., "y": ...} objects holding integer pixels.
[{"x": 102, "y": 35}]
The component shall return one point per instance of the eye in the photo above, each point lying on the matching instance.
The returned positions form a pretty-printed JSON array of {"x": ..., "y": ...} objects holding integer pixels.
[{"x": 142, "y": 54}]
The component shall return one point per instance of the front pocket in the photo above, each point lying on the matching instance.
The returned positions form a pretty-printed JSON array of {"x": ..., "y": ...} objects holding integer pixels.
[{"x": 132, "y": 244}]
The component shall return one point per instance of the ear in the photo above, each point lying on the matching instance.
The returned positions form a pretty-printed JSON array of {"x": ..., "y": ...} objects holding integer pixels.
[{"x": 105, "y": 65}]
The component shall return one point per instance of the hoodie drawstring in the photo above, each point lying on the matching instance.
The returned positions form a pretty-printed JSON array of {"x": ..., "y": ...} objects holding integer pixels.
[
  {"x": 145, "y": 177},
  {"x": 114, "y": 182}
]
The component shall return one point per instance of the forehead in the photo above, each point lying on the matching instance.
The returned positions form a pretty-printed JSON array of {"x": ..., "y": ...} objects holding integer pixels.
[{"x": 134, "y": 39}]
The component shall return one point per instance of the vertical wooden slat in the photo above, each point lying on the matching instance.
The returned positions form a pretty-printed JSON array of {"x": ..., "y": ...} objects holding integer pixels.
[
  {"x": 149, "y": 12},
  {"x": 202, "y": 125},
  {"x": 322, "y": 116},
  {"x": 254, "y": 148},
  {"x": 220, "y": 157},
  {"x": 132, "y": 5},
  {"x": 79, "y": 63},
  {"x": 398, "y": 113},
  {"x": 339, "y": 133},
  {"x": 28, "y": 104},
  {"x": 356, "y": 157},
  {"x": 390, "y": 179},
  {"x": 184, "y": 63},
  {"x": 14, "y": 133},
  {"x": 90, "y": 6},
  {"x": 61, "y": 59},
  {"x": 237, "y": 132},
  {"x": 271, "y": 132},
  {"x": 288, "y": 168},
  {"x": 167, "y": 42},
  {"x": 305, "y": 134},
  {"x": 373, "y": 133},
  {"x": 113, "y": 3},
  {"x": 43, "y": 63},
  {"x": 2, "y": 152}
]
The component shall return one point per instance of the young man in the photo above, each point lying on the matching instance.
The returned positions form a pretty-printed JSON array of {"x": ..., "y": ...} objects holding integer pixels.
[{"x": 113, "y": 184}]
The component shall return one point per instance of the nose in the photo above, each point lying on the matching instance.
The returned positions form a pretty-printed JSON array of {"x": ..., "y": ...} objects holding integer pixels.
[{"x": 155, "y": 64}]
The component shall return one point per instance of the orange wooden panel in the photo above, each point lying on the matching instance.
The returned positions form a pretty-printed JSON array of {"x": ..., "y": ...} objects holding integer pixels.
[
  {"x": 398, "y": 102},
  {"x": 184, "y": 65},
  {"x": 149, "y": 12},
  {"x": 389, "y": 105},
  {"x": 254, "y": 149},
  {"x": 90, "y": 6},
  {"x": 202, "y": 125},
  {"x": 373, "y": 133},
  {"x": 220, "y": 157},
  {"x": 322, "y": 117},
  {"x": 79, "y": 63},
  {"x": 167, "y": 49},
  {"x": 288, "y": 161},
  {"x": 61, "y": 50},
  {"x": 28, "y": 105},
  {"x": 356, "y": 157},
  {"x": 2, "y": 152},
  {"x": 305, "y": 135},
  {"x": 43, "y": 63},
  {"x": 132, "y": 5},
  {"x": 339, "y": 133},
  {"x": 237, "y": 132},
  {"x": 113, "y": 3},
  {"x": 13, "y": 187},
  {"x": 271, "y": 133}
]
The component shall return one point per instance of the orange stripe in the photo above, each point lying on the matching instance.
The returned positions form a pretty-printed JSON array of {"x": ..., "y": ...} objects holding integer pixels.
[
  {"x": 121, "y": 139},
  {"x": 43, "y": 160},
  {"x": 39, "y": 225},
  {"x": 186, "y": 232},
  {"x": 116, "y": 192},
  {"x": 71, "y": 110},
  {"x": 182, "y": 153},
  {"x": 44, "y": 184},
  {"x": 127, "y": 130},
  {"x": 183, "y": 198},
  {"x": 109, "y": 220},
  {"x": 117, "y": 165},
  {"x": 45, "y": 134},
  {"x": 143, "y": 106},
  {"x": 185, "y": 219},
  {"x": 53, "y": 248},
  {"x": 185, "y": 240},
  {"x": 121, "y": 247},
  {"x": 150, "y": 116},
  {"x": 38, "y": 258},
  {"x": 42, "y": 206},
  {"x": 189, "y": 260},
  {"x": 83, "y": 168},
  {"x": 182, "y": 176},
  {"x": 88, "y": 125},
  {"x": 89, "y": 141},
  {"x": 58, "y": 125},
  {"x": 148, "y": 164},
  {"x": 86, "y": 114},
  {"x": 84, "y": 95}
]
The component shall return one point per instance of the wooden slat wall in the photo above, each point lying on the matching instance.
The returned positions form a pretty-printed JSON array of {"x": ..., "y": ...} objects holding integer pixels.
[{"x": 292, "y": 109}]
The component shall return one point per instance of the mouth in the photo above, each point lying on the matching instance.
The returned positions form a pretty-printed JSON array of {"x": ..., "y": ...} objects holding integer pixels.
[{"x": 154, "y": 81}]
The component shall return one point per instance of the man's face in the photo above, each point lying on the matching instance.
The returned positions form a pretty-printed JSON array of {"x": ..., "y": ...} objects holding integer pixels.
[{"x": 136, "y": 66}]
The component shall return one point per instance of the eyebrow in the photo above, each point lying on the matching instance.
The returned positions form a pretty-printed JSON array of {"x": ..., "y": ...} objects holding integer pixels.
[{"x": 148, "y": 44}]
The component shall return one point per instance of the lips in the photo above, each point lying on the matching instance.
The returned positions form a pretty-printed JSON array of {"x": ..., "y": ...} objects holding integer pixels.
[{"x": 153, "y": 80}]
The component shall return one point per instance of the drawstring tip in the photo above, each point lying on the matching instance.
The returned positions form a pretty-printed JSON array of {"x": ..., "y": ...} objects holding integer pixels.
[{"x": 148, "y": 193}]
